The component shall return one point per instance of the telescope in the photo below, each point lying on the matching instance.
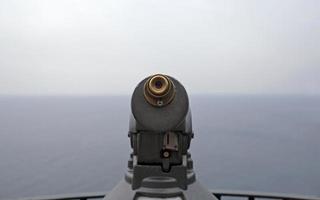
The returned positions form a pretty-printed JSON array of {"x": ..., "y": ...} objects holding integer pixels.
[{"x": 160, "y": 132}]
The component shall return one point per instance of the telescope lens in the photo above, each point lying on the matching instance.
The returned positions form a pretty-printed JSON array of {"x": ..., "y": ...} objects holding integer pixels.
[
  {"x": 159, "y": 90},
  {"x": 158, "y": 84}
]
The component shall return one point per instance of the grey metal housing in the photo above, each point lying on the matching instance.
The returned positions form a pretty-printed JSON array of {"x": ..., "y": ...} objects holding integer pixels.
[{"x": 160, "y": 165}]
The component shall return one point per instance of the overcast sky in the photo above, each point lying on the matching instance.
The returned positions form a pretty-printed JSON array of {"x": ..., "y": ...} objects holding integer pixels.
[{"x": 98, "y": 47}]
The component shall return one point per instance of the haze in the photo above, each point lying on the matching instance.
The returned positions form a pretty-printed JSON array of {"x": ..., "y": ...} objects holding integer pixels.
[{"x": 100, "y": 47}]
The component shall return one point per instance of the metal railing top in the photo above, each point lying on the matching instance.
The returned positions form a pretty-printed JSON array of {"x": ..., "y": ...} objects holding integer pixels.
[
  {"x": 88, "y": 195},
  {"x": 261, "y": 195},
  {"x": 251, "y": 195}
]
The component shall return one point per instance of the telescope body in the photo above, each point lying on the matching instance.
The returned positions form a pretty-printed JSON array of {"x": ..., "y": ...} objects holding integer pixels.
[{"x": 160, "y": 131}]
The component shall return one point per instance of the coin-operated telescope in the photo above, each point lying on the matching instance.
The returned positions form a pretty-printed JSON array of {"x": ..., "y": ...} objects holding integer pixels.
[{"x": 160, "y": 132}]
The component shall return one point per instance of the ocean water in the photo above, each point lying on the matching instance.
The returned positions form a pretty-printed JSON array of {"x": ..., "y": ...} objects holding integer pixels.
[{"x": 56, "y": 145}]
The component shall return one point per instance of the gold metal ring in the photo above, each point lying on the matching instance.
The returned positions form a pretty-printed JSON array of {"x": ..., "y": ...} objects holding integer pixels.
[
  {"x": 158, "y": 85},
  {"x": 159, "y": 90}
]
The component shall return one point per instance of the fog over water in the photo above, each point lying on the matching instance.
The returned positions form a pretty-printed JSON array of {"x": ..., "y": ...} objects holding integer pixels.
[
  {"x": 100, "y": 47},
  {"x": 54, "y": 145}
]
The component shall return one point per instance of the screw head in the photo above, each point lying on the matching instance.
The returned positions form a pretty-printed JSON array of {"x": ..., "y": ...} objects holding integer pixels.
[{"x": 166, "y": 154}]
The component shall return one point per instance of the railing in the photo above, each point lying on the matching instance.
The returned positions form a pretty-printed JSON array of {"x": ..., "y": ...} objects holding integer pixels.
[
  {"x": 81, "y": 196},
  {"x": 250, "y": 195},
  {"x": 220, "y": 194}
]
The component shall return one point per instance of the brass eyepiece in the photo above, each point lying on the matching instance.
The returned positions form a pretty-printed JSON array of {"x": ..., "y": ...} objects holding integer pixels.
[
  {"x": 159, "y": 90},
  {"x": 158, "y": 85}
]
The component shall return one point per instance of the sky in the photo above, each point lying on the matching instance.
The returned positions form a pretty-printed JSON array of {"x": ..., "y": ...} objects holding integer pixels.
[{"x": 105, "y": 47}]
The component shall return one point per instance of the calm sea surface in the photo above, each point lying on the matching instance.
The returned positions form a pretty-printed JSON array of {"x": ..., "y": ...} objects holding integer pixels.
[{"x": 54, "y": 145}]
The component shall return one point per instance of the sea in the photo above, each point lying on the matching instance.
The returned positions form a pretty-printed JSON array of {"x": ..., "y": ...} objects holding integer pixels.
[{"x": 74, "y": 144}]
